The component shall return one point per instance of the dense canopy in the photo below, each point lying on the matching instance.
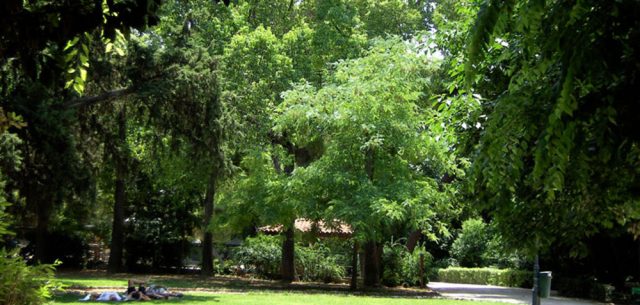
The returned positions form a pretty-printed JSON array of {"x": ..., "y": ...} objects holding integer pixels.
[{"x": 471, "y": 133}]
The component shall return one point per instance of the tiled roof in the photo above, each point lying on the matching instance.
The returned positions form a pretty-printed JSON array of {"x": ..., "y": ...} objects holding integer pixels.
[{"x": 334, "y": 228}]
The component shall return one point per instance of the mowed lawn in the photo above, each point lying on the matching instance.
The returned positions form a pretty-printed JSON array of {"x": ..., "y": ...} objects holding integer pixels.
[
  {"x": 281, "y": 298},
  {"x": 240, "y": 291}
]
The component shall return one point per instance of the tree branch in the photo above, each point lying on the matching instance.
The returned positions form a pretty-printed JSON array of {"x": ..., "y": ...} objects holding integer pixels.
[{"x": 90, "y": 100}]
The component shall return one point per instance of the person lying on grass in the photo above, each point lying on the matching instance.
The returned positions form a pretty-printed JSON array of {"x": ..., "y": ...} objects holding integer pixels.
[
  {"x": 132, "y": 294},
  {"x": 142, "y": 293},
  {"x": 152, "y": 292}
]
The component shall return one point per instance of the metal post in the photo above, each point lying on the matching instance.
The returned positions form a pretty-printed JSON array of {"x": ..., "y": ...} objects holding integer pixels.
[{"x": 535, "y": 300}]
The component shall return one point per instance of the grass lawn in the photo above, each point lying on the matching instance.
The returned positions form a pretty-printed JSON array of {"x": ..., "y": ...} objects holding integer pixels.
[
  {"x": 281, "y": 298},
  {"x": 243, "y": 291}
]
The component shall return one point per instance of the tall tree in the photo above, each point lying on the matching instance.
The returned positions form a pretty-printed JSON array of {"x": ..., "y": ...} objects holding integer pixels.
[
  {"x": 378, "y": 145},
  {"x": 44, "y": 56},
  {"x": 558, "y": 160}
]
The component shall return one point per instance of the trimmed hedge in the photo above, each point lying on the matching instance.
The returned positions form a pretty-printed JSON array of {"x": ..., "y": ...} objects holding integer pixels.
[{"x": 486, "y": 276}]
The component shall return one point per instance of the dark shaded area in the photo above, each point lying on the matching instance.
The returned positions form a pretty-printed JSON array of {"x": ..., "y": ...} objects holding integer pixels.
[{"x": 608, "y": 259}]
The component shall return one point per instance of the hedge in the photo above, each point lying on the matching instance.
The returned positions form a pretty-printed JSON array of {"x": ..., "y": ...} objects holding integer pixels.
[{"x": 487, "y": 276}]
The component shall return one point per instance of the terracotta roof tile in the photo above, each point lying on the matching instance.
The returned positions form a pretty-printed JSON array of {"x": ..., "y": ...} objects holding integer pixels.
[{"x": 334, "y": 228}]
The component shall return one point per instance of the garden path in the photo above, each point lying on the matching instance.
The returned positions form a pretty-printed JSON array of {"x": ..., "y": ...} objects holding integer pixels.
[{"x": 499, "y": 294}]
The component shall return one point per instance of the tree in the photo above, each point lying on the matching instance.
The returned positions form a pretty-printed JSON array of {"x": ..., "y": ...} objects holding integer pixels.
[
  {"x": 381, "y": 163},
  {"x": 44, "y": 57},
  {"x": 558, "y": 160}
]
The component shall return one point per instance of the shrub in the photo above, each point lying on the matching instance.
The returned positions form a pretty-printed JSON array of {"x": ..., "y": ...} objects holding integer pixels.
[
  {"x": 479, "y": 245},
  {"x": 21, "y": 284},
  {"x": 583, "y": 287},
  {"x": 67, "y": 247},
  {"x": 470, "y": 246},
  {"x": 486, "y": 276},
  {"x": 261, "y": 254},
  {"x": 317, "y": 263},
  {"x": 402, "y": 267}
]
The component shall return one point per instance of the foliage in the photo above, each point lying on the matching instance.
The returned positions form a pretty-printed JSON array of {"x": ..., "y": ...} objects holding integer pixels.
[
  {"x": 402, "y": 267},
  {"x": 470, "y": 246},
  {"x": 20, "y": 284},
  {"x": 367, "y": 116},
  {"x": 314, "y": 262},
  {"x": 160, "y": 225},
  {"x": 261, "y": 254},
  {"x": 486, "y": 276},
  {"x": 317, "y": 262},
  {"x": 589, "y": 287},
  {"x": 560, "y": 126},
  {"x": 479, "y": 245},
  {"x": 47, "y": 39}
]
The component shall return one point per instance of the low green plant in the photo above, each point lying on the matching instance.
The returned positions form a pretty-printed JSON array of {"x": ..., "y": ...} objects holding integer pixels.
[
  {"x": 21, "y": 284},
  {"x": 316, "y": 262},
  {"x": 402, "y": 267},
  {"x": 470, "y": 246},
  {"x": 260, "y": 254},
  {"x": 486, "y": 276}
]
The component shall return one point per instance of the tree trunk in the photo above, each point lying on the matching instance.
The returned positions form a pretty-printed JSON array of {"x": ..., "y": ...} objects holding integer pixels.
[
  {"x": 120, "y": 196},
  {"x": 287, "y": 263},
  {"x": 287, "y": 269},
  {"x": 354, "y": 267},
  {"x": 372, "y": 264},
  {"x": 43, "y": 212},
  {"x": 207, "y": 241},
  {"x": 372, "y": 257},
  {"x": 413, "y": 240}
]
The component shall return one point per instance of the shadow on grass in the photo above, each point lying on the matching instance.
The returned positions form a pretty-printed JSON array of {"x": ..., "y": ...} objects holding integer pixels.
[
  {"x": 189, "y": 299},
  {"x": 186, "y": 283}
]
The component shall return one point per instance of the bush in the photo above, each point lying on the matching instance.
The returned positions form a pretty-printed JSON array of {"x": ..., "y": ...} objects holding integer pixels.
[
  {"x": 585, "y": 287},
  {"x": 67, "y": 247},
  {"x": 402, "y": 267},
  {"x": 21, "y": 284},
  {"x": 479, "y": 245},
  {"x": 318, "y": 263},
  {"x": 487, "y": 276},
  {"x": 260, "y": 254},
  {"x": 470, "y": 246}
]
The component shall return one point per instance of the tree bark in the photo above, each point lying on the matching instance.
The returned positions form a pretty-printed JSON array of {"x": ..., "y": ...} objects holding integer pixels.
[
  {"x": 354, "y": 267},
  {"x": 372, "y": 250},
  {"x": 413, "y": 240},
  {"x": 43, "y": 212},
  {"x": 372, "y": 264},
  {"x": 207, "y": 240},
  {"x": 120, "y": 196},
  {"x": 287, "y": 268},
  {"x": 287, "y": 263}
]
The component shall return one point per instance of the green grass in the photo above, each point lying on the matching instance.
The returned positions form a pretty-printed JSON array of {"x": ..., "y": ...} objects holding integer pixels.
[
  {"x": 104, "y": 280},
  {"x": 282, "y": 298},
  {"x": 243, "y": 291}
]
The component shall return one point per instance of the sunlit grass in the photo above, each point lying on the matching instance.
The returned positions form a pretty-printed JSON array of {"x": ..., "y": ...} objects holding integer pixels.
[{"x": 284, "y": 298}]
